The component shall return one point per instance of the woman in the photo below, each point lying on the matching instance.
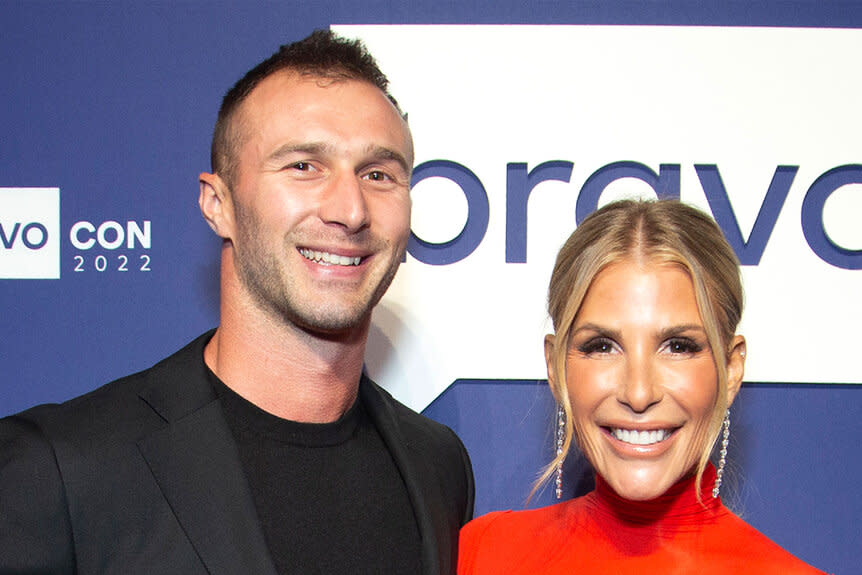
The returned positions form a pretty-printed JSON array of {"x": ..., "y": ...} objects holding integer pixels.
[{"x": 645, "y": 298}]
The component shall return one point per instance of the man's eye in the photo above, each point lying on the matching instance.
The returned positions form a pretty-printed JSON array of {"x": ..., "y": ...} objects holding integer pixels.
[
  {"x": 301, "y": 166},
  {"x": 377, "y": 176}
]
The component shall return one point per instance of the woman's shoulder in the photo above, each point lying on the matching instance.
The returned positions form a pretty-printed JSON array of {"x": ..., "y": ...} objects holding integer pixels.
[
  {"x": 504, "y": 520},
  {"x": 511, "y": 541},
  {"x": 510, "y": 523},
  {"x": 752, "y": 548}
]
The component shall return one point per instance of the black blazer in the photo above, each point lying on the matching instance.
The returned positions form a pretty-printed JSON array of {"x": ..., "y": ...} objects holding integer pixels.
[{"x": 143, "y": 476}]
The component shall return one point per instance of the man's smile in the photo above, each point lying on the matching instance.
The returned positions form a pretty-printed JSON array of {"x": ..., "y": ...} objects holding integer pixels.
[{"x": 327, "y": 258}]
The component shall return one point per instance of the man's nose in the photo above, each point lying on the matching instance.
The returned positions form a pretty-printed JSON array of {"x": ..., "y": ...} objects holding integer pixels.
[{"x": 344, "y": 204}]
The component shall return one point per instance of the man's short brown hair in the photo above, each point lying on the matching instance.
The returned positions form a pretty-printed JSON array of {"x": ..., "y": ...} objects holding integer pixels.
[{"x": 323, "y": 54}]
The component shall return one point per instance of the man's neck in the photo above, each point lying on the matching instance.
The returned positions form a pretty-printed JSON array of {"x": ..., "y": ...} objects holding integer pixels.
[{"x": 284, "y": 370}]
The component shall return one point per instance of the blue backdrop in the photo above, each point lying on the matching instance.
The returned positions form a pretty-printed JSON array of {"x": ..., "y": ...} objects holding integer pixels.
[{"x": 114, "y": 104}]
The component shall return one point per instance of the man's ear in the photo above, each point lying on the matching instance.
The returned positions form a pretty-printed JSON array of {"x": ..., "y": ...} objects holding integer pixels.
[
  {"x": 735, "y": 367},
  {"x": 216, "y": 204},
  {"x": 549, "y": 362}
]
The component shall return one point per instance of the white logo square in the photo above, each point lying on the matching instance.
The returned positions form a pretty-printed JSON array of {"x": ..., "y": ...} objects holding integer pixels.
[{"x": 29, "y": 233}]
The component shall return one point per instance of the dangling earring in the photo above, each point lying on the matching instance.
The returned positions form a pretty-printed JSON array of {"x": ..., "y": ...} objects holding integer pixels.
[
  {"x": 561, "y": 435},
  {"x": 722, "y": 454}
]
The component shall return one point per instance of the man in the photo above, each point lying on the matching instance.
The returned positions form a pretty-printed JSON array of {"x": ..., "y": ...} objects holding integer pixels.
[{"x": 260, "y": 447}]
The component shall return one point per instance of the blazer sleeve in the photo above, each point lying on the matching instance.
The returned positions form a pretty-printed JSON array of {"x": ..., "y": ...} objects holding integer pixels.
[
  {"x": 35, "y": 530},
  {"x": 467, "y": 470}
]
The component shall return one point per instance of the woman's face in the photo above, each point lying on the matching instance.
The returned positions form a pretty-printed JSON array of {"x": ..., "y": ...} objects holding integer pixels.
[{"x": 641, "y": 377}]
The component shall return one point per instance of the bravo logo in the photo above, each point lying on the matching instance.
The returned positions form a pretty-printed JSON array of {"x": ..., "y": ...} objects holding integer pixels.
[
  {"x": 29, "y": 233},
  {"x": 666, "y": 184}
]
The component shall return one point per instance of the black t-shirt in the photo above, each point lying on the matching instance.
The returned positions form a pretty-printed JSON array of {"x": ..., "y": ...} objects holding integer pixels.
[{"x": 329, "y": 496}]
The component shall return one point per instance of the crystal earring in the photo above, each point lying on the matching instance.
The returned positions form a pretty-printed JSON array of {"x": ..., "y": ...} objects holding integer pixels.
[
  {"x": 722, "y": 454},
  {"x": 561, "y": 435}
]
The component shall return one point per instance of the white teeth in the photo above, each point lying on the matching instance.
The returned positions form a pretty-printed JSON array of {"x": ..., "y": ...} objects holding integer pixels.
[
  {"x": 640, "y": 437},
  {"x": 327, "y": 258}
]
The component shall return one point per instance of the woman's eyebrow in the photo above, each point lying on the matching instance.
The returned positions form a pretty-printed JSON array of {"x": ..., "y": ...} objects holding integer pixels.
[
  {"x": 677, "y": 330},
  {"x": 597, "y": 329}
]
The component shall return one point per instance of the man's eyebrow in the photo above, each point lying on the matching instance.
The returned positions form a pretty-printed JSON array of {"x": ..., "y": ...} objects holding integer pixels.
[
  {"x": 284, "y": 150},
  {"x": 382, "y": 153},
  {"x": 372, "y": 152}
]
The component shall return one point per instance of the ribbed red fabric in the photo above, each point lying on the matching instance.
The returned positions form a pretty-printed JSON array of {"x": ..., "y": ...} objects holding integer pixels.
[{"x": 603, "y": 533}]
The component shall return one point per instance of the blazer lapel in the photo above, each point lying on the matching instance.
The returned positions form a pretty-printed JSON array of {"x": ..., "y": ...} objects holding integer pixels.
[
  {"x": 195, "y": 461},
  {"x": 422, "y": 494}
]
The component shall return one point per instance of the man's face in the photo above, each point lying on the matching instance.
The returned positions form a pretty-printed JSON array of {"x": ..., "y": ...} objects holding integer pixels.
[{"x": 321, "y": 199}]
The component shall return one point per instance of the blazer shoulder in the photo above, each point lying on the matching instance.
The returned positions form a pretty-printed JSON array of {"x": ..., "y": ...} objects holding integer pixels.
[
  {"x": 434, "y": 449},
  {"x": 118, "y": 408},
  {"x": 419, "y": 430}
]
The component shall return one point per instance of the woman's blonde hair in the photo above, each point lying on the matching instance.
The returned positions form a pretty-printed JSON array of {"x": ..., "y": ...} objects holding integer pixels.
[{"x": 663, "y": 231}]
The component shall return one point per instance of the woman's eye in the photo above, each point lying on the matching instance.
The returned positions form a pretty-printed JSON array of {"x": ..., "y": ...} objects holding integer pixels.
[
  {"x": 682, "y": 345},
  {"x": 597, "y": 345}
]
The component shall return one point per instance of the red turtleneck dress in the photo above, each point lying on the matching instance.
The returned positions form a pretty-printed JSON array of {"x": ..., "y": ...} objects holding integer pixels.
[{"x": 604, "y": 533}]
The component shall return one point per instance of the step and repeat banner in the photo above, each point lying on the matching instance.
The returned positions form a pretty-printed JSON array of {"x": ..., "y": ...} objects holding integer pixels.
[{"x": 525, "y": 120}]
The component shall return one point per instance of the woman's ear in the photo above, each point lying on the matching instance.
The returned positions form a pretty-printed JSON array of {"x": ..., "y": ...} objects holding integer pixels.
[
  {"x": 215, "y": 203},
  {"x": 735, "y": 367},
  {"x": 549, "y": 362}
]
